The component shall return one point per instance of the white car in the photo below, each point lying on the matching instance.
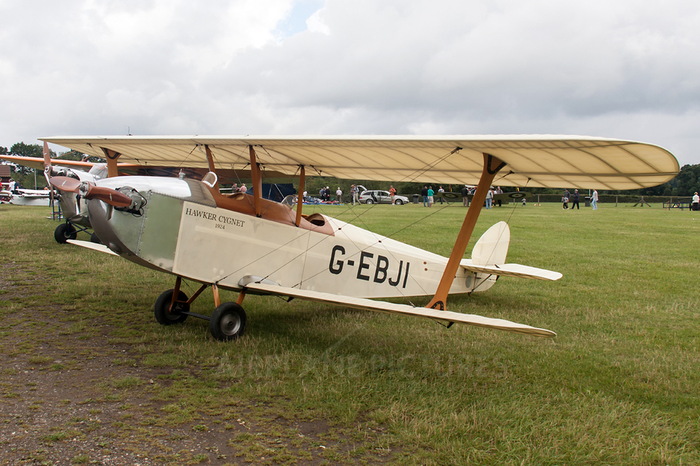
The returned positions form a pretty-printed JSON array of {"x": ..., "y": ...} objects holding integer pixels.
[{"x": 376, "y": 196}]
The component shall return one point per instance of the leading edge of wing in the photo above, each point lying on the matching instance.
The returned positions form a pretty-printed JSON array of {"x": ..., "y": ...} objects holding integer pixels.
[
  {"x": 383, "y": 306},
  {"x": 512, "y": 270}
]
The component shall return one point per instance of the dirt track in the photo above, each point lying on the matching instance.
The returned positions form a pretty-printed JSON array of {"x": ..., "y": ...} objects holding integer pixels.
[{"x": 70, "y": 397}]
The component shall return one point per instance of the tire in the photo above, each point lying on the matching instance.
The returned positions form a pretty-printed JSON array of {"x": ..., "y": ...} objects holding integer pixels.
[
  {"x": 369, "y": 201},
  {"x": 227, "y": 322},
  {"x": 161, "y": 309},
  {"x": 399, "y": 202},
  {"x": 64, "y": 232}
]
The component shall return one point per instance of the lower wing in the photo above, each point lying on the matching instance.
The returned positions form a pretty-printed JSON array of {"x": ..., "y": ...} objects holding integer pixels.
[{"x": 383, "y": 306}]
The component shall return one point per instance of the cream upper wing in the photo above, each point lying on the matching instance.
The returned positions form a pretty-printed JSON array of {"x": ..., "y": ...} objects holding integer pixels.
[{"x": 532, "y": 160}]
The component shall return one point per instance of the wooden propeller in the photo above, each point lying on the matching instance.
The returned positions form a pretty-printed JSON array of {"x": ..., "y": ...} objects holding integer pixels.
[
  {"x": 64, "y": 183},
  {"x": 107, "y": 195}
]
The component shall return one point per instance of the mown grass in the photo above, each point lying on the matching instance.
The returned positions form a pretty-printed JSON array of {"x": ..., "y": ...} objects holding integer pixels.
[{"x": 617, "y": 386}]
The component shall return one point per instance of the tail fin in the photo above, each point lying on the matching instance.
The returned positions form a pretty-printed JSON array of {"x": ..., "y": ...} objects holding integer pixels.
[
  {"x": 492, "y": 247},
  {"x": 490, "y": 250}
]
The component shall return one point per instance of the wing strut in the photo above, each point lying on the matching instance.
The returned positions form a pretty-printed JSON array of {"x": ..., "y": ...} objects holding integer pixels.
[
  {"x": 212, "y": 168},
  {"x": 300, "y": 194},
  {"x": 112, "y": 157},
  {"x": 491, "y": 166},
  {"x": 257, "y": 182}
]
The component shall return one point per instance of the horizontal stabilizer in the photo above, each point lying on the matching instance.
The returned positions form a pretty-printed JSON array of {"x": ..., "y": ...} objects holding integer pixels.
[
  {"x": 94, "y": 246},
  {"x": 383, "y": 306},
  {"x": 512, "y": 270}
]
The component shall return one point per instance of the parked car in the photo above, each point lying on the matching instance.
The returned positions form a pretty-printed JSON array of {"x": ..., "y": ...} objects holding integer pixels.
[{"x": 376, "y": 196}]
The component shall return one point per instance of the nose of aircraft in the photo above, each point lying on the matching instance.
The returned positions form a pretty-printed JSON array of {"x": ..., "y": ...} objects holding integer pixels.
[{"x": 90, "y": 191}]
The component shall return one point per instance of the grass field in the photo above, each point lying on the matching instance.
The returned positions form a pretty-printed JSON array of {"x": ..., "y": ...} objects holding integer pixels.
[{"x": 315, "y": 384}]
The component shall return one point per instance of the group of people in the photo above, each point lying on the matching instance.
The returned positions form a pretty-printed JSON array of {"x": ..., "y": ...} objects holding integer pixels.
[
  {"x": 574, "y": 199},
  {"x": 325, "y": 194},
  {"x": 239, "y": 189},
  {"x": 428, "y": 196},
  {"x": 13, "y": 187},
  {"x": 468, "y": 193}
]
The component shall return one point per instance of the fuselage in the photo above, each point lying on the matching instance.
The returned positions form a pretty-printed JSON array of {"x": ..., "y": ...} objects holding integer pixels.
[{"x": 185, "y": 228}]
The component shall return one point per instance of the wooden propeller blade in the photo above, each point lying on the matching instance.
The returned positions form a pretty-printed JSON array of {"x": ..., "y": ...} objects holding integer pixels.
[
  {"x": 108, "y": 195},
  {"x": 64, "y": 183}
]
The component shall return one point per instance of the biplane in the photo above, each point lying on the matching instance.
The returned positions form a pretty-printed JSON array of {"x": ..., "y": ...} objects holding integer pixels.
[
  {"x": 75, "y": 214},
  {"x": 73, "y": 211},
  {"x": 241, "y": 242}
]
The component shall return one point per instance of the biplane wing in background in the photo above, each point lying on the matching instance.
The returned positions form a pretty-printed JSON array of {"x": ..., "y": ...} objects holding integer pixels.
[
  {"x": 75, "y": 214},
  {"x": 244, "y": 243}
]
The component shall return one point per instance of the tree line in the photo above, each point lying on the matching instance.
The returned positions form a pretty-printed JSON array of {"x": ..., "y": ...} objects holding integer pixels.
[{"x": 685, "y": 183}]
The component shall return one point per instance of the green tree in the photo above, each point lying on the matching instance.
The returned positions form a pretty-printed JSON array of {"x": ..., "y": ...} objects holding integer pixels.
[
  {"x": 25, "y": 150},
  {"x": 27, "y": 177}
]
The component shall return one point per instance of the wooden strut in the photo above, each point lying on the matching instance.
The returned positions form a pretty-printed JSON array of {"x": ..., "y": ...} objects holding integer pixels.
[
  {"x": 257, "y": 182},
  {"x": 176, "y": 293},
  {"x": 217, "y": 298},
  {"x": 300, "y": 195},
  {"x": 212, "y": 168},
  {"x": 112, "y": 157},
  {"x": 492, "y": 165}
]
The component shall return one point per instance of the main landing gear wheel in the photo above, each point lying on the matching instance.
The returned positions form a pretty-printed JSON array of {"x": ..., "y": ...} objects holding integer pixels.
[
  {"x": 227, "y": 322},
  {"x": 64, "y": 232},
  {"x": 162, "y": 311}
]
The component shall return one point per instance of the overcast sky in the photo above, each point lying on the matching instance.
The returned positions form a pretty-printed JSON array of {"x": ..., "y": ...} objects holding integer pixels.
[{"x": 627, "y": 69}]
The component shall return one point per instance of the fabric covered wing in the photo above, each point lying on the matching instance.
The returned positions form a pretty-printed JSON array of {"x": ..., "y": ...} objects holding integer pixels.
[
  {"x": 532, "y": 160},
  {"x": 383, "y": 306}
]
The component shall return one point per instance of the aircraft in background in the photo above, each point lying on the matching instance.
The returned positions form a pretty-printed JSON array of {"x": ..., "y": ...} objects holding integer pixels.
[
  {"x": 498, "y": 199},
  {"x": 244, "y": 243},
  {"x": 21, "y": 196},
  {"x": 74, "y": 212}
]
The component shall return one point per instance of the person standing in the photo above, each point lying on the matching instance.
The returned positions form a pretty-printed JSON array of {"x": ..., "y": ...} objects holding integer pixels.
[
  {"x": 339, "y": 195},
  {"x": 465, "y": 196},
  {"x": 441, "y": 191},
  {"x": 574, "y": 200},
  {"x": 353, "y": 194},
  {"x": 424, "y": 193},
  {"x": 594, "y": 200},
  {"x": 489, "y": 198},
  {"x": 431, "y": 193},
  {"x": 696, "y": 201},
  {"x": 392, "y": 193}
]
